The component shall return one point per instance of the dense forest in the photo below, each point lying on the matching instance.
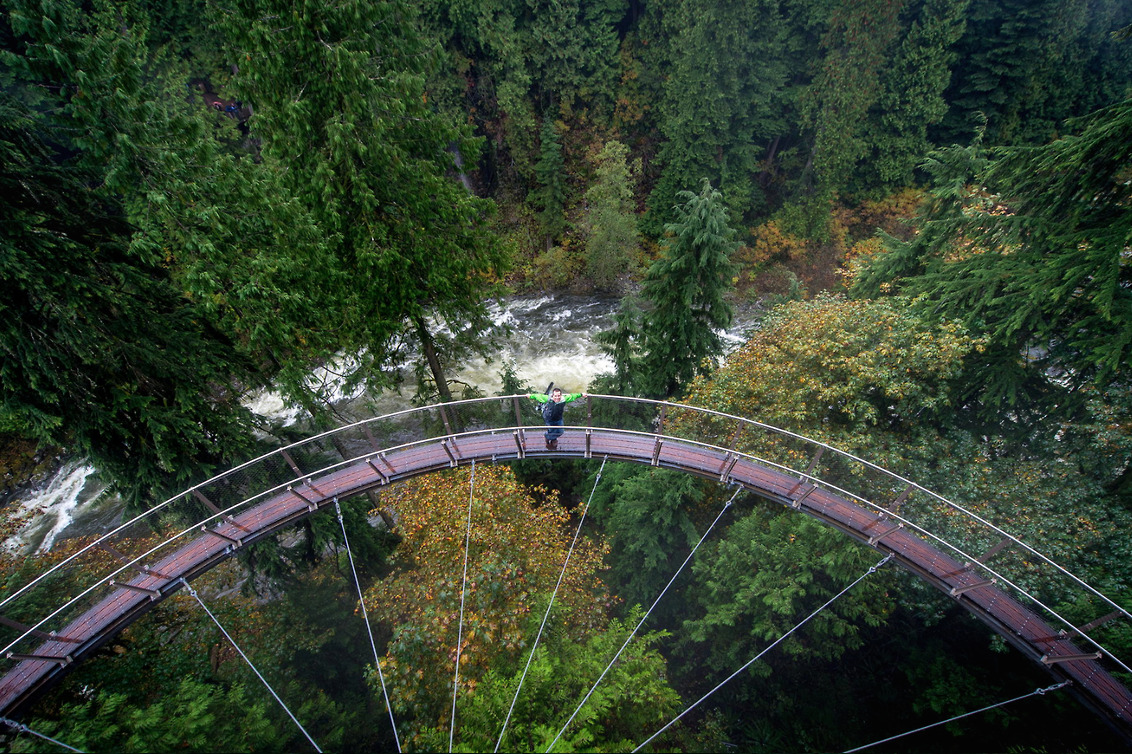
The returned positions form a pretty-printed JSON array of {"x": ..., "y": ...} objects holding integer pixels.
[{"x": 927, "y": 201}]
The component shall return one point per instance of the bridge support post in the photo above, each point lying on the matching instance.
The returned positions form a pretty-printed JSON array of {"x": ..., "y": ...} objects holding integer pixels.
[
  {"x": 42, "y": 658},
  {"x": 153, "y": 594},
  {"x": 45, "y": 635},
  {"x": 231, "y": 540},
  {"x": 381, "y": 475},
  {"x": 878, "y": 537},
  {"x": 142, "y": 569},
  {"x": 452, "y": 462},
  {"x": 1054, "y": 660},
  {"x": 958, "y": 590},
  {"x": 304, "y": 498},
  {"x": 291, "y": 462}
]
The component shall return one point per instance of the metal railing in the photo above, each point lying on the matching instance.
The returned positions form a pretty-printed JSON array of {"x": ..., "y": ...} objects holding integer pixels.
[{"x": 45, "y": 602}]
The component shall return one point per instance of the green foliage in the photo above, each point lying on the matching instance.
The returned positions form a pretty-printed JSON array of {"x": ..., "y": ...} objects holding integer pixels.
[
  {"x": 100, "y": 351},
  {"x": 911, "y": 97},
  {"x": 1024, "y": 67},
  {"x": 875, "y": 378},
  {"x": 571, "y": 49},
  {"x": 772, "y": 568},
  {"x": 632, "y": 700},
  {"x": 621, "y": 343},
  {"x": 344, "y": 118},
  {"x": 195, "y": 716},
  {"x": 174, "y": 681},
  {"x": 856, "y": 46},
  {"x": 834, "y": 368},
  {"x": 685, "y": 292},
  {"x": 550, "y": 171},
  {"x": 1026, "y": 245},
  {"x": 648, "y": 519},
  {"x": 718, "y": 112},
  {"x": 610, "y": 220},
  {"x": 510, "y": 60}
]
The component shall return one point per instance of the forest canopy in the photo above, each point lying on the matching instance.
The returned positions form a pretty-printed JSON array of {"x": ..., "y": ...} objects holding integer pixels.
[{"x": 924, "y": 204}]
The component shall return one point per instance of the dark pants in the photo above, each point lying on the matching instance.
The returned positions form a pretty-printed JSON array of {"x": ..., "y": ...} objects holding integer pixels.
[{"x": 554, "y": 434}]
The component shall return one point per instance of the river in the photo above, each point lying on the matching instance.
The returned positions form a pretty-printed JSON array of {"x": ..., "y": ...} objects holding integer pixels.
[{"x": 551, "y": 339}]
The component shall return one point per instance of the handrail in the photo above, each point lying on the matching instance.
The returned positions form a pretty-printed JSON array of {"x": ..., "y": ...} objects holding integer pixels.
[{"x": 277, "y": 457}]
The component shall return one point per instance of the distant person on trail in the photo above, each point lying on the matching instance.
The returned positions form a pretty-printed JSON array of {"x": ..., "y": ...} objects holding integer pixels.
[{"x": 553, "y": 408}]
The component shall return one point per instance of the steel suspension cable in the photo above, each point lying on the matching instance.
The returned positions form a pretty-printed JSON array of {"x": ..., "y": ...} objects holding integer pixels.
[
  {"x": 251, "y": 665},
  {"x": 643, "y": 619},
  {"x": 561, "y": 575},
  {"x": 369, "y": 629},
  {"x": 777, "y": 641},
  {"x": 21, "y": 728},
  {"x": 463, "y": 591},
  {"x": 1035, "y": 692}
]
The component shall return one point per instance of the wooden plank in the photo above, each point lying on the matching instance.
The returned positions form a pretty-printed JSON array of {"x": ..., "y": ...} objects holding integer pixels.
[{"x": 193, "y": 557}]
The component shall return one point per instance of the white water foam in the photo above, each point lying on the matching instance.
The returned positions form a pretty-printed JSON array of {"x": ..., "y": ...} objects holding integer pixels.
[{"x": 50, "y": 509}]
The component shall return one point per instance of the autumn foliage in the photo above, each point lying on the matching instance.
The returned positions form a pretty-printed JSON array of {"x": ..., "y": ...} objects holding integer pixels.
[{"x": 518, "y": 542}]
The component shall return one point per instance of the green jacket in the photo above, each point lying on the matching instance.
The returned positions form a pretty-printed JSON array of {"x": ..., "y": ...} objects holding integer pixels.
[
  {"x": 551, "y": 411},
  {"x": 543, "y": 398}
]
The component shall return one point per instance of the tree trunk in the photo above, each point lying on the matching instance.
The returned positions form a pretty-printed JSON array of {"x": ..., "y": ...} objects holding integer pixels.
[{"x": 429, "y": 348}]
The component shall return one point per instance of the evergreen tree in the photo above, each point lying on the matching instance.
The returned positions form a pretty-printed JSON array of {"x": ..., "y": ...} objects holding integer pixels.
[
  {"x": 685, "y": 290},
  {"x": 911, "y": 99},
  {"x": 622, "y": 345},
  {"x": 229, "y": 231},
  {"x": 719, "y": 113},
  {"x": 487, "y": 78},
  {"x": 792, "y": 566},
  {"x": 1028, "y": 245},
  {"x": 612, "y": 237},
  {"x": 571, "y": 49},
  {"x": 551, "y": 174},
  {"x": 343, "y": 114},
  {"x": 856, "y": 46},
  {"x": 101, "y": 353},
  {"x": 1025, "y": 67}
]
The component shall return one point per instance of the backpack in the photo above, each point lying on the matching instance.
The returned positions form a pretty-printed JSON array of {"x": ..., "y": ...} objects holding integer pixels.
[{"x": 546, "y": 408}]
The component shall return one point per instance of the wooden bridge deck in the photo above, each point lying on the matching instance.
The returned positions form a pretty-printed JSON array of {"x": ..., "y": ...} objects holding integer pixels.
[{"x": 125, "y": 604}]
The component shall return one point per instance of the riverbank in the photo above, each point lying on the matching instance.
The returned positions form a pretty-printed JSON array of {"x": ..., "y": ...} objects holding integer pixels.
[{"x": 23, "y": 465}]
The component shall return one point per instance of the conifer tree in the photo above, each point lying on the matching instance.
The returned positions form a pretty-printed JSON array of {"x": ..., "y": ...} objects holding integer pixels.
[
  {"x": 231, "y": 233},
  {"x": 1029, "y": 246},
  {"x": 856, "y": 47},
  {"x": 911, "y": 99},
  {"x": 99, "y": 352},
  {"x": 686, "y": 291},
  {"x": 551, "y": 174},
  {"x": 344, "y": 116},
  {"x": 718, "y": 112},
  {"x": 571, "y": 53},
  {"x": 1027, "y": 65}
]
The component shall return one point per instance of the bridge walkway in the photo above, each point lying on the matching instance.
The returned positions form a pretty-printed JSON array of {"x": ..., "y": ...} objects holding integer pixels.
[{"x": 129, "y": 600}]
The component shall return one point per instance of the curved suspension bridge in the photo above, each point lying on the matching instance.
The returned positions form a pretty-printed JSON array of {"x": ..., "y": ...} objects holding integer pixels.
[{"x": 1006, "y": 583}]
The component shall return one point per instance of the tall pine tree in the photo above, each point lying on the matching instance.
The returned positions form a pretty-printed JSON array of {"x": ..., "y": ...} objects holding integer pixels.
[
  {"x": 344, "y": 116},
  {"x": 1029, "y": 245},
  {"x": 685, "y": 293},
  {"x": 551, "y": 174}
]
